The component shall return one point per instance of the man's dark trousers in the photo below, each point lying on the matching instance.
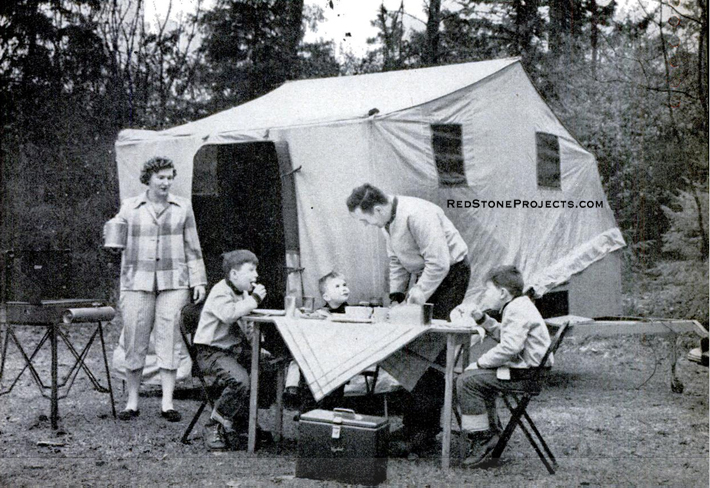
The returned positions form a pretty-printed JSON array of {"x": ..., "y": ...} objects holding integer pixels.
[{"x": 428, "y": 394}]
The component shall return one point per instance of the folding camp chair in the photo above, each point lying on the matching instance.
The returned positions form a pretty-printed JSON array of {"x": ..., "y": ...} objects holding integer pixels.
[
  {"x": 189, "y": 319},
  {"x": 517, "y": 402}
]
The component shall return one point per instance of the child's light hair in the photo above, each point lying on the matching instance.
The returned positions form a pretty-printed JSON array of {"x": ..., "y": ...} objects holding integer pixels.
[{"x": 323, "y": 281}]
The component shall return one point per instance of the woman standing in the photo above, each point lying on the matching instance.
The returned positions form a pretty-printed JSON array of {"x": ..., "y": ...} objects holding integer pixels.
[{"x": 161, "y": 262}]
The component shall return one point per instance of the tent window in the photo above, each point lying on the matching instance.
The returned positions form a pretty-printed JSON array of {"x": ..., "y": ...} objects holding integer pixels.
[
  {"x": 548, "y": 161},
  {"x": 446, "y": 141}
]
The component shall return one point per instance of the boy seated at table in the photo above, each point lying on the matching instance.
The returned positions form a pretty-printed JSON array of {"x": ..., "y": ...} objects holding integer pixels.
[
  {"x": 222, "y": 344},
  {"x": 522, "y": 338},
  {"x": 335, "y": 292}
]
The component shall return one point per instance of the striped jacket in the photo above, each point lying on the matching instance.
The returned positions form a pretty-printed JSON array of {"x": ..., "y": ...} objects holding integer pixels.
[{"x": 162, "y": 251}]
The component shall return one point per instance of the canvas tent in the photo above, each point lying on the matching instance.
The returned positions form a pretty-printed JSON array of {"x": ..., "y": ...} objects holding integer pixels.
[{"x": 273, "y": 175}]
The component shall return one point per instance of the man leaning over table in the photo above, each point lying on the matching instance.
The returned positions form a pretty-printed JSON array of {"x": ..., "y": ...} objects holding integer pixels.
[{"x": 420, "y": 241}]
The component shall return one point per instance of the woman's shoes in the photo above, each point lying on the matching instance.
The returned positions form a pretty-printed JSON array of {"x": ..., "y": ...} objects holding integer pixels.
[
  {"x": 128, "y": 414},
  {"x": 171, "y": 415}
]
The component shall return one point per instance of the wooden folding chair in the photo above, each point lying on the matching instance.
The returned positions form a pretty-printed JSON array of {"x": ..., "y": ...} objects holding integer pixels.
[
  {"x": 189, "y": 319},
  {"x": 517, "y": 402}
]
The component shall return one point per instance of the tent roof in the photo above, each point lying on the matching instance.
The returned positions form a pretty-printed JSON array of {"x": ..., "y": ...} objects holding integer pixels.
[{"x": 323, "y": 100}]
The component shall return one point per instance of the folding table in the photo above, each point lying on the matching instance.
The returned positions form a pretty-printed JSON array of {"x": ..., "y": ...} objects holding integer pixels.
[
  {"x": 52, "y": 316},
  {"x": 455, "y": 334}
]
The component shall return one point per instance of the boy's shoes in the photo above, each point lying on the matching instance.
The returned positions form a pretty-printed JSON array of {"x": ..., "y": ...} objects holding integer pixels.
[
  {"x": 291, "y": 398},
  {"x": 700, "y": 354},
  {"x": 239, "y": 441},
  {"x": 482, "y": 445},
  {"x": 214, "y": 437},
  {"x": 418, "y": 444},
  {"x": 128, "y": 414}
]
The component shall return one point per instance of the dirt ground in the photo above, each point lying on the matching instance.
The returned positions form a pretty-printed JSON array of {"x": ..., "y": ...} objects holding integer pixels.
[{"x": 608, "y": 413}]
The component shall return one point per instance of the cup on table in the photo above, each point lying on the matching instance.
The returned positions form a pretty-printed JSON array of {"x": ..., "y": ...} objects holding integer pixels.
[
  {"x": 309, "y": 304},
  {"x": 427, "y": 313},
  {"x": 380, "y": 314},
  {"x": 290, "y": 306}
]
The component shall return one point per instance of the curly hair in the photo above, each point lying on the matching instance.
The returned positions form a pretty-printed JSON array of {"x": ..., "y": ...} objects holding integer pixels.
[
  {"x": 155, "y": 165},
  {"x": 365, "y": 198}
]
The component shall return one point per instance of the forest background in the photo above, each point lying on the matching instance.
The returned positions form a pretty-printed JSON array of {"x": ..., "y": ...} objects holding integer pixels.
[{"x": 631, "y": 87}]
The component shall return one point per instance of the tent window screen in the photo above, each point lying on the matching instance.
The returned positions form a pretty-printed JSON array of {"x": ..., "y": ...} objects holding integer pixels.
[
  {"x": 548, "y": 161},
  {"x": 446, "y": 141}
]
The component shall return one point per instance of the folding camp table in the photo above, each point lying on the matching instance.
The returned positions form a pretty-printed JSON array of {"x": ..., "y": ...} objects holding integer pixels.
[
  {"x": 455, "y": 335},
  {"x": 52, "y": 315}
]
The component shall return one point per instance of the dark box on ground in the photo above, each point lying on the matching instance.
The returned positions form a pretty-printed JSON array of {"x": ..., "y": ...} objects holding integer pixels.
[{"x": 343, "y": 446}]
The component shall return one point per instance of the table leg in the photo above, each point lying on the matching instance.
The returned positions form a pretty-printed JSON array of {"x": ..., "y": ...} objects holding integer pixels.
[
  {"x": 108, "y": 371},
  {"x": 6, "y": 338},
  {"x": 254, "y": 394},
  {"x": 278, "y": 416},
  {"x": 54, "y": 415},
  {"x": 448, "y": 401}
]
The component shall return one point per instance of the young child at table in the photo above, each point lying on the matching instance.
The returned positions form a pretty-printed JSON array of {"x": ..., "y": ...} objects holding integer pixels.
[
  {"x": 335, "y": 292},
  {"x": 222, "y": 343},
  {"x": 523, "y": 339}
]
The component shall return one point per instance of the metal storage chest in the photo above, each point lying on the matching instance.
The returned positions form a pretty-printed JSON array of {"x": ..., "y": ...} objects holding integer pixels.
[{"x": 343, "y": 446}]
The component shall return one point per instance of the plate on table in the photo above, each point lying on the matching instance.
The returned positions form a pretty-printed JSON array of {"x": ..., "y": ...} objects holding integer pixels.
[
  {"x": 350, "y": 320},
  {"x": 312, "y": 316},
  {"x": 268, "y": 311}
]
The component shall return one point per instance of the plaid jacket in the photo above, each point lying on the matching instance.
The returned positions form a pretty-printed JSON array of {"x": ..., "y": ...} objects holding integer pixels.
[{"x": 162, "y": 251}]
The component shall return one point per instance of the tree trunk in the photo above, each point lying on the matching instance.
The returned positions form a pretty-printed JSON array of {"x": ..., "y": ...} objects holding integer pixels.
[
  {"x": 525, "y": 25},
  {"x": 293, "y": 11},
  {"x": 431, "y": 54},
  {"x": 701, "y": 225},
  {"x": 702, "y": 61},
  {"x": 595, "y": 35}
]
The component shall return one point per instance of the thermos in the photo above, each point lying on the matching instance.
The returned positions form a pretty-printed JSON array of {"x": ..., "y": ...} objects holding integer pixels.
[{"x": 115, "y": 234}]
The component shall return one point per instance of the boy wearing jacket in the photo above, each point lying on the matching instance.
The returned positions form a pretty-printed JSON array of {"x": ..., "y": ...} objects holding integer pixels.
[{"x": 523, "y": 339}]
